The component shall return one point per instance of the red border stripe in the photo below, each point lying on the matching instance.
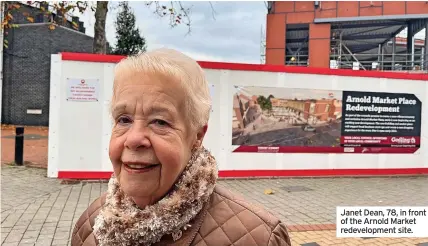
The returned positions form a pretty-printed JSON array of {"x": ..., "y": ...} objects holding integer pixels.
[
  {"x": 83, "y": 175},
  {"x": 325, "y": 149},
  {"x": 272, "y": 173},
  {"x": 259, "y": 67},
  {"x": 68, "y": 56}
]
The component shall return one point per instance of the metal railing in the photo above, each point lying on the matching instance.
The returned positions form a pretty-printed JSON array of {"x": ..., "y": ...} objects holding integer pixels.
[
  {"x": 391, "y": 62},
  {"x": 383, "y": 62}
]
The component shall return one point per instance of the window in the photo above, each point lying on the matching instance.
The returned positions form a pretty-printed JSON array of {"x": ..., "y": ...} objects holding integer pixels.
[
  {"x": 312, "y": 108},
  {"x": 327, "y": 108}
]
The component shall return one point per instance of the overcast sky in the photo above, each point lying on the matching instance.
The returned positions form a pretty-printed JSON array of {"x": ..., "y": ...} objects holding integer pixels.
[{"x": 233, "y": 36}]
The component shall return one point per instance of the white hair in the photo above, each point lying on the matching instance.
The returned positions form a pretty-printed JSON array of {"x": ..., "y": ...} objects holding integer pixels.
[{"x": 178, "y": 67}]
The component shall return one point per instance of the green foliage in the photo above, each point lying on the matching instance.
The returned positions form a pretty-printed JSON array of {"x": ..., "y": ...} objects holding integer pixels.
[
  {"x": 264, "y": 103},
  {"x": 110, "y": 50},
  {"x": 128, "y": 37}
]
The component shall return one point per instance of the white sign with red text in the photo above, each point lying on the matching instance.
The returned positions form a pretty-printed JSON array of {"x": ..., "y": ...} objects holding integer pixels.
[{"x": 82, "y": 90}]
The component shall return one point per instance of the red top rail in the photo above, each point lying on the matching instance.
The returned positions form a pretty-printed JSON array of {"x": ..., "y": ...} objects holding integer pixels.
[{"x": 67, "y": 56}]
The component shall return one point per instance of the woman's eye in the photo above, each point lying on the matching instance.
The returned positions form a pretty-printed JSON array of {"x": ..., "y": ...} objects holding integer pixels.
[
  {"x": 123, "y": 120},
  {"x": 160, "y": 122}
]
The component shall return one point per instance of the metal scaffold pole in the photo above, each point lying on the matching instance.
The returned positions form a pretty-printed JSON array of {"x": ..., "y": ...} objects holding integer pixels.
[
  {"x": 426, "y": 47},
  {"x": 393, "y": 53}
]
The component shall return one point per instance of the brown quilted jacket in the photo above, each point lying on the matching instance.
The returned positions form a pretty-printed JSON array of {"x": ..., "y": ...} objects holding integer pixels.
[{"x": 226, "y": 220}]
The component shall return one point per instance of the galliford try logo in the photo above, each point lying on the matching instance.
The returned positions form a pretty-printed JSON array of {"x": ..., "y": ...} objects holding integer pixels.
[{"x": 403, "y": 140}]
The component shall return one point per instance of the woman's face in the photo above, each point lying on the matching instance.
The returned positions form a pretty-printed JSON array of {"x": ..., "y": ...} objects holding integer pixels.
[{"x": 151, "y": 140}]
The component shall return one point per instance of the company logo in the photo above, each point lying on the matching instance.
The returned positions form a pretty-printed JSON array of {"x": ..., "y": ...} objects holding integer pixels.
[
  {"x": 349, "y": 150},
  {"x": 403, "y": 140}
]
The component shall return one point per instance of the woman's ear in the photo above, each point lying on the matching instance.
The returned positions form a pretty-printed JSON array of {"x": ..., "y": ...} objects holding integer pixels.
[{"x": 200, "y": 135}]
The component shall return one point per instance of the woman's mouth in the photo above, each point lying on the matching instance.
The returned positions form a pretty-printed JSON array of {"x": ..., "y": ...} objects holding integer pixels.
[{"x": 139, "y": 168}]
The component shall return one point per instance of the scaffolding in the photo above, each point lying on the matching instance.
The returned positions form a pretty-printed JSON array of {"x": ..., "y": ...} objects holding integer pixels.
[
  {"x": 366, "y": 43},
  {"x": 391, "y": 55}
]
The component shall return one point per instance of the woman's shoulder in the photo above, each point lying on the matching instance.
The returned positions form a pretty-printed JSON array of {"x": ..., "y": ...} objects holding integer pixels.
[
  {"x": 237, "y": 204},
  {"x": 82, "y": 232},
  {"x": 232, "y": 219}
]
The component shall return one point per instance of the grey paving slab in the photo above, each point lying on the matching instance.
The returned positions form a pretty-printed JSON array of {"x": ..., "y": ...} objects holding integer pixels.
[
  {"x": 20, "y": 185},
  {"x": 36, "y": 210}
]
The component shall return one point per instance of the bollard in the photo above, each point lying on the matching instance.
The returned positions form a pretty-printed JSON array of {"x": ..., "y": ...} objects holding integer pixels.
[{"x": 19, "y": 145}]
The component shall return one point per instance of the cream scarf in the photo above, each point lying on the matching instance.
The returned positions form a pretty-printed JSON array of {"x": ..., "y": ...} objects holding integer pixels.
[{"x": 121, "y": 222}]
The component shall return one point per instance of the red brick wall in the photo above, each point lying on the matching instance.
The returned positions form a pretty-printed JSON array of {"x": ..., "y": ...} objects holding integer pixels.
[
  {"x": 319, "y": 45},
  {"x": 275, "y": 39},
  {"x": 293, "y": 12}
]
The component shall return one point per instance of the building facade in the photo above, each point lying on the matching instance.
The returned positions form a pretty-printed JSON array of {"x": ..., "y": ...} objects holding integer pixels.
[
  {"x": 312, "y": 33},
  {"x": 26, "y": 63}
]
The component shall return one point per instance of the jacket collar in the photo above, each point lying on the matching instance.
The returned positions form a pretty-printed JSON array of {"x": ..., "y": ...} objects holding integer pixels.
[{"x": 188, "y": 235}]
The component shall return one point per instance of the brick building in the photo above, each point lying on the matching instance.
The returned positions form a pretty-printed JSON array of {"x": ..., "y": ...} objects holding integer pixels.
[
  {"x": 322, "y": 109},
  {"x": 312, "y": 33},
  {"x": 26, "y": 63}
]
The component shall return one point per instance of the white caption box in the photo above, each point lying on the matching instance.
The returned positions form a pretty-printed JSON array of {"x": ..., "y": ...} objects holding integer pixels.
[{"x": 374, "y": 221}]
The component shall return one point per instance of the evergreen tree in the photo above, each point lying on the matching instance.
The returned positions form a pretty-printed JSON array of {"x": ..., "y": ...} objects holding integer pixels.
[{"x": 128, "y": 37}]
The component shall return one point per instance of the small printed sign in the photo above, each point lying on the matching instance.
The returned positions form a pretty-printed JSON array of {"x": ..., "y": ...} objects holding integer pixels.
[
  {"x": 355, "y": 66},
  {"x": 333, "y": 64},
  {"x": 34, "y": 111},
  {"x": 82, "y": 90}
]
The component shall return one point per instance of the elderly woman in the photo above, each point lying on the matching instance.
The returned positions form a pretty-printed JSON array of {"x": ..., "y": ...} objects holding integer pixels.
[{"x": 163, "y": 190}]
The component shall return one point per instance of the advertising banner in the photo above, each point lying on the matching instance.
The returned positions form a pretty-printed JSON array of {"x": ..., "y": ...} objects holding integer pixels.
[{"x": 291, "y": 120}]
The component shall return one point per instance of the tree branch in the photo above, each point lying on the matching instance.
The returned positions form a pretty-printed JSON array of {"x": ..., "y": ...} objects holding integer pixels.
[
  {"x": 187, "y": 17},
  {"x": 213, "y": 10},
  {"x": 177, "y": 13}
]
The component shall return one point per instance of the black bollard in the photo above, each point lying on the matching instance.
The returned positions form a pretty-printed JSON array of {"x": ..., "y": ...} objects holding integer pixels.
[{"x": 19, "y": 145}]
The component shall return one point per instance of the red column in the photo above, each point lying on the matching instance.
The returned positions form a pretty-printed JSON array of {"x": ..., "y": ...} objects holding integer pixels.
[
  {"x": 275, "y": 39},
  {"x": 319, "y": 45}
]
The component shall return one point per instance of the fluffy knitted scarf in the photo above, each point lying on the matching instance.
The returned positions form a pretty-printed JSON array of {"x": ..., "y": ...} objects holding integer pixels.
[{"x": 121, "y": 222}]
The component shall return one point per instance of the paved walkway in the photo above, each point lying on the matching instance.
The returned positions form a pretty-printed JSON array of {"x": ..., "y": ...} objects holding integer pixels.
[
  {"x": 35, "y": 145},
  {"x": 36, "y": 210}
]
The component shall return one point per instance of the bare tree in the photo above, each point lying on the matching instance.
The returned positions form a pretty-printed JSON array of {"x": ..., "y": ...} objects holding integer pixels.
[{"x": 100, "y": 41}]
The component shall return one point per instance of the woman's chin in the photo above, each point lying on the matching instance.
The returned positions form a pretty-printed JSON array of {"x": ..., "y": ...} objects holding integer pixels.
[{"x": 139, "y": 188}]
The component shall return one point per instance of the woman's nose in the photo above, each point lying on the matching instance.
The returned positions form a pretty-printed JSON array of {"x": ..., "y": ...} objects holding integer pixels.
[{"x": 137, "y": 137}]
